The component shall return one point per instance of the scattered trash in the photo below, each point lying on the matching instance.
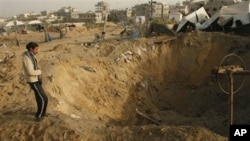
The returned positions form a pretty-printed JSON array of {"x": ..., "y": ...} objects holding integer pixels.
[
  {"x": 90, "y": 44},
  {"x": 133, "y": 34},
  {"x": 86, "y": 44},
  {"x": 99, "y": 37}
]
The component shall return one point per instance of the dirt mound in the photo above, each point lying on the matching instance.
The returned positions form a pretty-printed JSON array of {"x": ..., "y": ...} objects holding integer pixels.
[{"x": 94, "y": 91}]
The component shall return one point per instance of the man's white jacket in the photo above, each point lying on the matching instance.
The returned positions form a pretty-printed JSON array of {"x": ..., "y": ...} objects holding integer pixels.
[{"x": 30, "y": 74}]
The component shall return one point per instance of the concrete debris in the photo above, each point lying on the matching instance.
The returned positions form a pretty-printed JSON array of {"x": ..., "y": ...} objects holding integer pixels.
[
  {"x": 144, "y": 84},
  {"x": 97, "y": 46},
  {"x": 90, "y": 44},
  {"x": 74, "y": 116},
  {"x": 147, "y": 117},
  {"x": 117, "y": 59},
  {"x": 90, "y": 69},
  {"x": 143, "y": 49},
  {"x": 3, "y": 45},
  {"x": 123, "y": 31},
  {"x": 127, "y": 56},
  {"x": 156, "y": 116},
  {"x": 86, "y": 44},
  {"x": 7, "y": 57},
  {"x": 128, "y": 52},
  {"x": 3, "y": 85},
  {"x": 99, "y": 37},
  {"x": 138, "y": 51},
  {"x": 153, "y": 47}
]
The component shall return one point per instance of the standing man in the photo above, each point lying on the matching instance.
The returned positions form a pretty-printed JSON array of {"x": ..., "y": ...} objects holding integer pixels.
[{"x": 32, "y": 75}]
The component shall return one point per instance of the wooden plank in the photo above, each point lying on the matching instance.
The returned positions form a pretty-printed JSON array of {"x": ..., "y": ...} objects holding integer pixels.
[
  {"x": 3, "y": 85},
  {"x": 147, "y": 117},
  {"x": 165, "y": 40}
]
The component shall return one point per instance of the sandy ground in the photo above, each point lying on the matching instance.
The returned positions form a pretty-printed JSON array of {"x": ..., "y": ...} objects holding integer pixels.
[{"x": 95, "y": 90}]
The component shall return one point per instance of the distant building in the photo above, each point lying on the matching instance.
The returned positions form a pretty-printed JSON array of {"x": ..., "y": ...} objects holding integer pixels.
[
  {"x": 50, "y": 17},
  {"x": 2, "y": 20},
  {"x": 28, "y": 16},
  {"x": 160, "y": 10},
  {"x": 182, "y": 7},
  {"x": 47, "y": 13},
  {"x": 175, "y": 16},
  {"x": 99, "y": 16},
  {"x": 102, "y": 7},
  {"x": 141, "y": 10},
  {"x": 91, "y": 17},
  {"x": 123, "y": 15},
  {"x": 165, "y": 10},
  {"x": 68, "y": 13},
  {"x": 154, "y": 10},
  {"x": 193, "y": 6}
]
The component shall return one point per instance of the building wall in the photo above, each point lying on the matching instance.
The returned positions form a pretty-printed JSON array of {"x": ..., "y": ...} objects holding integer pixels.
[
  {"x": 2, "y": 20},
  {"x": 91, "y": 17},
  {"x": 175, "y": 16},
  {"x": 102, "y": 7},
  {"x": 141, "y": 10},
  {"x": 165, "y": 10},
  {"x": 68, "y": 13},
  {"x": 158, "y": 10},
  {"x": 121, "y": 15}
]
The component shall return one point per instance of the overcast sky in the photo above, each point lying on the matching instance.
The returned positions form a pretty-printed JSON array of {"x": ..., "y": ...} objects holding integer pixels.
[{"x": 15, "y": 7}]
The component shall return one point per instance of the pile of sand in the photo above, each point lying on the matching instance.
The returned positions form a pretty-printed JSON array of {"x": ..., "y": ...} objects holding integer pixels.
[{"x": 94, "y": 90}]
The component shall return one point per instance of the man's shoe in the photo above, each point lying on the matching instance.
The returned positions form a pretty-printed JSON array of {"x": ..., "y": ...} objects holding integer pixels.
[
  {"x": 38, "y": 119},
  {"x": 46, "y": 115}
]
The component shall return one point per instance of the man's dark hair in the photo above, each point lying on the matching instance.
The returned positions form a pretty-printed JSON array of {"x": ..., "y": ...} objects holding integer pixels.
[{"x": 31, "y": 45}]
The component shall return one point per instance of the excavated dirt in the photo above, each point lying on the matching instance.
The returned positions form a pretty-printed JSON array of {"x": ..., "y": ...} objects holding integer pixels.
[{"x": 95, "y": 89}]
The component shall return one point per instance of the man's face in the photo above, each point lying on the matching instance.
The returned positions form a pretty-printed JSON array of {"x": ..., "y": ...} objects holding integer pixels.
[{"x": 34, "y": 51}]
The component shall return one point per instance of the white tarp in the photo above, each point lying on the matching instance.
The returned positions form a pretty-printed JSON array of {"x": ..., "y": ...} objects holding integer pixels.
[
  {"x": 208, "y": 22},
  {"x": 237, "y": 12},
  {"x": 243, "y": 18},
  {"x": 239, "y": 8},
  {"x": 13, "y": 23},
  {"x": 197, "y": 16},
  {"x": 34, "y": 22}
]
